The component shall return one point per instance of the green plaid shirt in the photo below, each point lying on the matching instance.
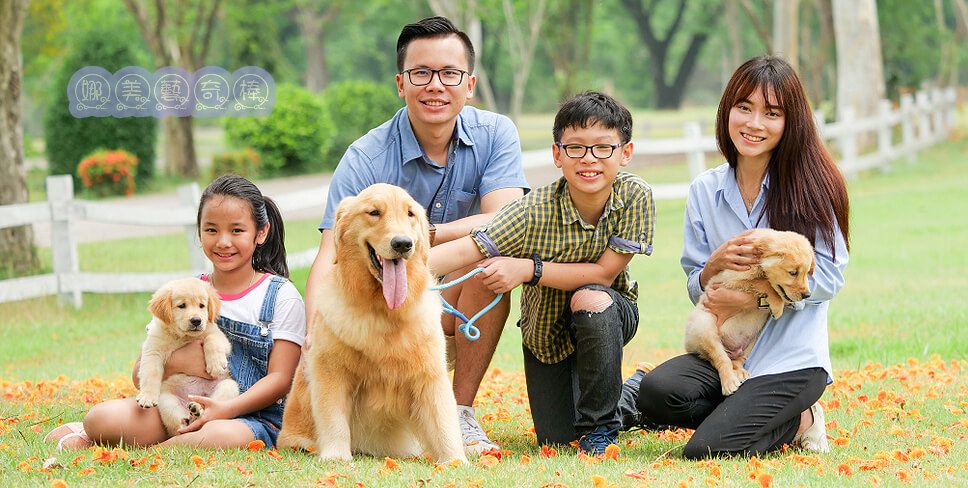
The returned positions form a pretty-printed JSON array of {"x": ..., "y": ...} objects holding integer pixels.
[{"x": 545, "y": 222}]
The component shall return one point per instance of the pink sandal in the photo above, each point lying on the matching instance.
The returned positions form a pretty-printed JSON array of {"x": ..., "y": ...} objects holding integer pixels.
[{"x": 69, "y": 436}]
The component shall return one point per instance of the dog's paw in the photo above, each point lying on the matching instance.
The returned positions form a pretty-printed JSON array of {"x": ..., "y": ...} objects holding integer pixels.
[
  {"x": 335, "y": 454},
  {"x": 731, "y": 384},
  {"x": 195, "y": 410},
  {"x": 217, "y": 367},
  {"x": 742, "y": 374},
  {"x": 147, "y": 401}
]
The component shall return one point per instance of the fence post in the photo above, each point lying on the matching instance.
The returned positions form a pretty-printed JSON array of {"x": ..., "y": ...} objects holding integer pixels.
[
  {"x": 696, "y": 158},
  {"x": 189, "y": 195},
  {"x": 924, "y": 118},
  {"x": 908, "y": 142},
  {"x": 884, "y": 135},
  {"x": 937, "y": 114},
  {"x": 60, "y": 195},
  {"x": 950, "y": 108},
  {"x": 847, "y": 141}
]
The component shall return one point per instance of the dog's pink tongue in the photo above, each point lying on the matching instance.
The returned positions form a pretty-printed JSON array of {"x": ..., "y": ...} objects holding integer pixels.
[{"x": 394, "y": 281}]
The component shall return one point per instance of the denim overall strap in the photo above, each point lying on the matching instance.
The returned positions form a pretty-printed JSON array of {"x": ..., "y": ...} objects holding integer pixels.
[{"x": 269, "y": 303}]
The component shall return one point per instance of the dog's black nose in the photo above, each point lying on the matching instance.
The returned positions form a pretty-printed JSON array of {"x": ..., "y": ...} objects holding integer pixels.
[
  {"x": 806, "y": 295},
  {"x": 196, "y": 321},
  {"x": 401, "y": 244}
]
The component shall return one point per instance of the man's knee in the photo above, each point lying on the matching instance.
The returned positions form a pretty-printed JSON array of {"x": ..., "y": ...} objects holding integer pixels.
[{"x": 590, "y": 300}]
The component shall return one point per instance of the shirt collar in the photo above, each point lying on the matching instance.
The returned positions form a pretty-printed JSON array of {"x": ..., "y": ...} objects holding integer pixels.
[
  {"x": 729, "y": 187},
  {"x": 570, "y": 215},
  {"x": 411, "y": 147}
]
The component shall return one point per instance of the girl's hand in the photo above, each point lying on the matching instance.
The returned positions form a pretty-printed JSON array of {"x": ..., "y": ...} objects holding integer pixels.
[
  {"x": 214, "y": 410},
  {"x": 188, "y": 359},
  {"x": 737, "y": 253},
  {"x": 502, "y": 274},
  {"x": 724, "y": 303}
]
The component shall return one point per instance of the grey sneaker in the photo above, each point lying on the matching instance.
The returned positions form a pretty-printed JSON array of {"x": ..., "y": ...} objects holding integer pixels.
[
  {"x": 815, "y": 437},
  {"x": 475, "y": 440}
]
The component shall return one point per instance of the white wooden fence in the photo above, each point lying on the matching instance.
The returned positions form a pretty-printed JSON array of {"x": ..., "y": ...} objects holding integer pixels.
[{"x": 922, "y": 120}]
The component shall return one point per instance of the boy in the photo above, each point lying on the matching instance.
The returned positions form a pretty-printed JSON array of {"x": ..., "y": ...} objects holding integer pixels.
[{"x": 570, "y": 242}]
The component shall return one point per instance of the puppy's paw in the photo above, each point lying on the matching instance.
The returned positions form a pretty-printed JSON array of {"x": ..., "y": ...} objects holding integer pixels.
[
  {"x": 217, "y": 367},
  {"x": 742, "y": 374},
  {"x": 195, "y": 410},
  {"x": 731, "y": 384},
  {"x": 147, "y": 400},
  {"x": 333, "y": 453}
]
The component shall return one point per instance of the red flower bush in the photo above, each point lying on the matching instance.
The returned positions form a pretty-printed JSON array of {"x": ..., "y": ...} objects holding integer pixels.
[
  {"x": 107, "y": 173},
  {"x": 245, "y": 162}
]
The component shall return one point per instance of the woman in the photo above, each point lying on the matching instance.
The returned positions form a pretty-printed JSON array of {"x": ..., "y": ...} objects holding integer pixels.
[{"x": 779, "y": 175}]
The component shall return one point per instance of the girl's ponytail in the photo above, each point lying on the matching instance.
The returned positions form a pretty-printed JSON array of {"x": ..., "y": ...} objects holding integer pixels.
[{"x": 270, "y": 256}]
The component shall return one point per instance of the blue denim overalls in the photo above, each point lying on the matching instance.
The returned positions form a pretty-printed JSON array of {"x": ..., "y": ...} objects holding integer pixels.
[{"x": 249, "y": 362}]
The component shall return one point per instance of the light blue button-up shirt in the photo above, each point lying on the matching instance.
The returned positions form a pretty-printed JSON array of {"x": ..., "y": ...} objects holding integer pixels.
[
  {"x": 485, "y": 156},
  {"x": 798, "y": 339}
]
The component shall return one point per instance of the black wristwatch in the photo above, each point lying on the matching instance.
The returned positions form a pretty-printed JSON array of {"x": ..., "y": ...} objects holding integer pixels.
[
  {"x": 763, "y": 303},
  {"x": 537, "y": 270}
]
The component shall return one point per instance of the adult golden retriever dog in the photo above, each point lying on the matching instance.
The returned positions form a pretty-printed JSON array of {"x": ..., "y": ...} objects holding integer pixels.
[
  {"x": 786, "y": 258},
  {"x": 375, "y": 381},
  {"x": 183, "y": 311}
]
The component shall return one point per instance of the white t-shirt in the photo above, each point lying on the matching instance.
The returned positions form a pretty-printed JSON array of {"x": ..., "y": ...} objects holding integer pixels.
[{"x": 289, "y": 317}]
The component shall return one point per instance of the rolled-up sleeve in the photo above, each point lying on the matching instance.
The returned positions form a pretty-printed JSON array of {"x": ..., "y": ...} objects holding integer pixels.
[
  {"x": 505, "y": 234},
  {"x": 635, "y": 230},
  {"x": 828, "y": 272},
  {"x": 504, "y": 166},
  {"x": 352, "y": 175}
]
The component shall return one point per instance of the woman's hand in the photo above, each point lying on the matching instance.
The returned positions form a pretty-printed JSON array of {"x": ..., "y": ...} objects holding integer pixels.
[
  {"x": 214, "y": 410},
  {"x": 737, "y": 253},
  {"x": 188, "y": 359},
  {"x": 502, "y": 274},
  {"x": 724, "y": 303}
]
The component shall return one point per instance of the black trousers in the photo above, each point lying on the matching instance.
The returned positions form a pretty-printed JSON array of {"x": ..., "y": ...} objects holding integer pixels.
[
  {"x": 581, "y": 392},
  {"x": 685, "y": 392}
]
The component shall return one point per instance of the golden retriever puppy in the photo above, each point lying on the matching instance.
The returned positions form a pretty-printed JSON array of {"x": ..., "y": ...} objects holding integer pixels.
[
  {"x": 786, "y": 258},
  {"x": 183, "y": 311},
  {"x": 375, "y": 381}
]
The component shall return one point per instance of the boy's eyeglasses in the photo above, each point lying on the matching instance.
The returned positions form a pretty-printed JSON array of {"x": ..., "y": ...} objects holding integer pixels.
[
  {"x": 447, "y": 76},
  {"x": 600, "y": 151}
]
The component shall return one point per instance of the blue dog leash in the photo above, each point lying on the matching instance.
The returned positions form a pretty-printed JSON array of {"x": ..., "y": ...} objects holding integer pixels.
[{"x": 468, "y": 328}]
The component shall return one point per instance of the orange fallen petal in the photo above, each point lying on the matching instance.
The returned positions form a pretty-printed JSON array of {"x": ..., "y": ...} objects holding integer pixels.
[
  {"x": 844, "y": 470},
  {"x": 525, "y": 459},
  {"x": 488, "y": 461},
  {"x": 390, "y": 464},
  {"x": 58, "y": 483},
  {"x": 199, "y": 462},
  {"x": 256, "y": 445},
  {"x": 548, "y": 451},
  {"x": 274, "y": 453},
  {"x": 86, "y": 471},
  {"x": 611, "y": 452},
  {"x": 765, "y": 480},
  {"x": 639, "y": 474}
]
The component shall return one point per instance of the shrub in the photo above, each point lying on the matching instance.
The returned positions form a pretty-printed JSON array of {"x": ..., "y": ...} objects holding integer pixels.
[
  {"x": 290, "y": 140},
  {"x": 68, "y": 139},
  {"x": 107, "y": 173},
  {"x": 357, "y": 106},
  {"x": 243, "y": 163}
]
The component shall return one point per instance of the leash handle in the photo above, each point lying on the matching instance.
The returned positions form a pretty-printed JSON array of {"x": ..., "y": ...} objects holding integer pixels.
[{"x": 470, "y": 331}]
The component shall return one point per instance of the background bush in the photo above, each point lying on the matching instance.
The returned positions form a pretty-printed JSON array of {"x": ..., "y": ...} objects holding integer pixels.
[
  {"x": 109, "y": 173},
  {"x": 68, "y": 139},
  {"x": 293, "y": 138},
  {"x": 356, "y": 106},
  {"x": 244, "y": 162}
]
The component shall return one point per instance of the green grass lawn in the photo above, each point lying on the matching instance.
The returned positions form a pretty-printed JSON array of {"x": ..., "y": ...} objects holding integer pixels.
[{"x": 898, "y": 332}]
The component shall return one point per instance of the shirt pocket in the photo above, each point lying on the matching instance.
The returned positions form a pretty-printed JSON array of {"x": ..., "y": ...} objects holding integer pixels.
[{"x": 463, "y": 204}]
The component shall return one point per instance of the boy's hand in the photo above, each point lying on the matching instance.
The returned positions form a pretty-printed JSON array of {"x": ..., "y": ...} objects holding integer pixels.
[
  {"x": 502, "y": 274},
  {"x": 213, "y": 410},
  {"x": 189, "y": 359}
]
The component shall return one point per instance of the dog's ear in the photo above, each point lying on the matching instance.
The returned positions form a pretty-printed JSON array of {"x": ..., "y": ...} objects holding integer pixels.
[
  {"x": 214, "y": 303},
  {"x": 340, "y": 222},
  {"x": 160, "y": 304},
  {"x": 813, "y": 262}
]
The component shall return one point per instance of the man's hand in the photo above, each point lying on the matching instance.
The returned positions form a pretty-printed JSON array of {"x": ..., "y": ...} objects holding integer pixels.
[{"x": 503, "y": 274}]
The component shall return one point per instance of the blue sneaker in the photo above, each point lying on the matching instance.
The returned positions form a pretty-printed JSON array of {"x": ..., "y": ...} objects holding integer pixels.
[{"x": 595, "y": 442}]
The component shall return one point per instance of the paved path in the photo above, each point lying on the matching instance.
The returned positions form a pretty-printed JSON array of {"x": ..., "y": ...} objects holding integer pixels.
[{"x": 95, "y": 231}]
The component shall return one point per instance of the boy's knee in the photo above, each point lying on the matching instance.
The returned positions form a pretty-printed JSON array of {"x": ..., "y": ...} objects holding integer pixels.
[{"x": 590, "y": 300}]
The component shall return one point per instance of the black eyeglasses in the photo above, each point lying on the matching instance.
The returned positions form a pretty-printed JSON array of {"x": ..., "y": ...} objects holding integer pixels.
[
  {"x": 578, "y": 151},
  {"x": 447, "y": 76}
]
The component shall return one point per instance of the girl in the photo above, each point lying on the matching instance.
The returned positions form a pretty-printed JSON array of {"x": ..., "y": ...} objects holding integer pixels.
[
  {"x": 778, "y": 174},
  {"x": 262, "y": 314}
]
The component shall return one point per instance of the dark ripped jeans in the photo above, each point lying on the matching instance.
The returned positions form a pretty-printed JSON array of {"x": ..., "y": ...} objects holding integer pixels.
[{"x": 581, "y": 392}]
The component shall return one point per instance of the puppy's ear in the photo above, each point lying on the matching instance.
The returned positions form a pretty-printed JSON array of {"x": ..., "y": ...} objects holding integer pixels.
[
  {"x": 812, "y": 263},
  {"x": 214, "y": 303},
  {"x": 160, "y": 304}
]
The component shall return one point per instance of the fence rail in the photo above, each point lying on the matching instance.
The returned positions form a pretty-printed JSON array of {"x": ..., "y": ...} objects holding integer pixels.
[{"x": 922, "y": 120}]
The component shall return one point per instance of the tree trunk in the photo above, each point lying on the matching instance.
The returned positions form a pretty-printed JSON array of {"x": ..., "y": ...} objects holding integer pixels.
[
  {"x": 860, "y": 69},
  {"x": 180, "y": 147},
  {"x": 312, "y": 24},
  {"x": 522, "y": 51},
  {"x": 464, "y": 15},
  {"x": 785, "y": 25},
  {"x": 17, "y": 254}
]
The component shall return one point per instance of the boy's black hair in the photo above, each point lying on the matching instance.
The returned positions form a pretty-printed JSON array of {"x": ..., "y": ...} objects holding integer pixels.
[
  {"x": 270, "y": 256},
  {"x": 430, "y": 28},
  {"x": 590, "y": 108}
]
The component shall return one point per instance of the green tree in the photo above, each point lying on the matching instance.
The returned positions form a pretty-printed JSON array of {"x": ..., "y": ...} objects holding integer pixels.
[
  {"x": 342, "y": 102},
  {"x": 69, "y": 139}
]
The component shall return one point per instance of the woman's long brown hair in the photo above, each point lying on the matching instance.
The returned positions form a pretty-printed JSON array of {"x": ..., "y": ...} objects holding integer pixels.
[{"x": 805, "y": 183}]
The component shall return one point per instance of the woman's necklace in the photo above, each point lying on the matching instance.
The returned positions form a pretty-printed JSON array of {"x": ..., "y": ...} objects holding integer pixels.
[{"x": 748, "y": 200}]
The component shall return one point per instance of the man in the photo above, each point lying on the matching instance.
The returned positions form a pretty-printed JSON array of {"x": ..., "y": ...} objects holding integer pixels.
[{"x": 462, "y": 164}]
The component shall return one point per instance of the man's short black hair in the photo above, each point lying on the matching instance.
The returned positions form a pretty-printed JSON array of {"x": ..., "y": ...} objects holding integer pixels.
[
  {"x": 590, "y": 108},
  {"x": 430, "y": 28}
]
